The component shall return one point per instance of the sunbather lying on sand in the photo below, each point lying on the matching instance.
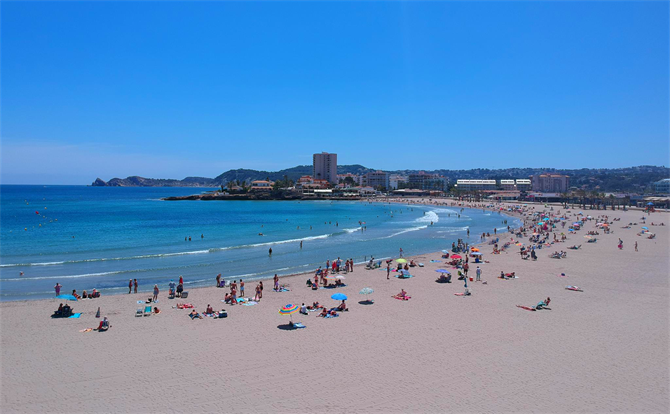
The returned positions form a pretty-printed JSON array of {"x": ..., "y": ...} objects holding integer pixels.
[
  {"x": 402, "y": 295},
  {"x": 195, "y": 314},
  {"x": 315, "y": 305}
]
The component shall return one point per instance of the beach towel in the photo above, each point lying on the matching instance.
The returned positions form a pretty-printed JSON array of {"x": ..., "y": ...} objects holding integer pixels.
[
  {"x": 298, "y": 325},
  {"x": 461, "y": 294},
  {"x": 575, "y": 288},
  {"x": 436, "y": 261},
  {"x": 76, "y": 315},
  {"x": 86, "y": 330},
  {"x": 331, "y": 316},
  {"x": 282, "y": 290},
  {"x": 250, "y": 303},
  {"x": 399, "y": 298},
  {"x": 526, "y": 307},
  {"x": 420, "y": 264},
  {"x": 403, "y": 276}
]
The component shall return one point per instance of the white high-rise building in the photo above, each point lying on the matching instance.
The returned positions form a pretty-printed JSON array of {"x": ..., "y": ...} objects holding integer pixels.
[{"x": 325, "y": 167}]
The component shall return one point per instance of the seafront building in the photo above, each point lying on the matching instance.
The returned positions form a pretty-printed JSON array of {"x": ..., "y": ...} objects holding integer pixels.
[
  {"x": 375, "y": 179},
  {"x": 550, "y": 183},
  {"x": 325, "y": 167},
  {"x": 476, "y": 185},
  {"x": 515, "y": 185},
  {"x": 261, "y": 185},
  {"x": 423, "y": 181},
  {"x": 396, "y": 180}
]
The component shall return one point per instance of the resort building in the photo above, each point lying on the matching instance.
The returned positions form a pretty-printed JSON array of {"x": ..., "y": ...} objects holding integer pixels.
[
  {"x": 261, "y": 185},
  {"x": 662, "y": 187},
  {"x": 375, "y": 179},
  {"x": 325, "y": 167},
  {"x": 550, "y": 183},
  {"x": 396, "y": 180},
  {"x": 515, "y": 185},
  {"x": 476, "y": 185},
  {"x": 423, "y": 181}
]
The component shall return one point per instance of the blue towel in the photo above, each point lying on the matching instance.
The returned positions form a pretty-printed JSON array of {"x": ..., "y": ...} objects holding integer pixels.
[
  {"x": 403, "y": 277},
  {"x": 435, "y": 261},
  {"x": 298, "y": 325},
  {"x": 76, "y": 315}
]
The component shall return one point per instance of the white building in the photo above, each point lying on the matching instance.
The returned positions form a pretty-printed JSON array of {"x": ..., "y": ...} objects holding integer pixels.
[
  {"x": 473, "y": 185},
  {"x": 325, "y": 167},
  {"x": 395, "y": 180}
]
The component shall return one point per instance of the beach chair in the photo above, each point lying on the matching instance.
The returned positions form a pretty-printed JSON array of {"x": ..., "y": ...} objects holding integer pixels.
[
  {"x": 139, "y": 312},
  {"x": 147, "y": 310}
]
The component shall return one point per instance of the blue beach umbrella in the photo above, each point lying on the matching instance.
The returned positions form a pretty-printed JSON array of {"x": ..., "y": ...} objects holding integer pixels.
[
  {"x": 339, "y": 296},
  {"x": 443, "y": 271},
  {"x": 645, "y": 227},
  {"x": 650, "y": 203},
  {"x": 66, "y": 297}
]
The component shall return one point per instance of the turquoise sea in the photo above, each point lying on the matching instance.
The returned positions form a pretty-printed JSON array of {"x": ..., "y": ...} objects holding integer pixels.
[{"x": 99, "y": 237}]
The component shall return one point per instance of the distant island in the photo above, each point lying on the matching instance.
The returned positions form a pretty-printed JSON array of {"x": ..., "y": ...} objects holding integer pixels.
[{"x": 631, "y": 179}]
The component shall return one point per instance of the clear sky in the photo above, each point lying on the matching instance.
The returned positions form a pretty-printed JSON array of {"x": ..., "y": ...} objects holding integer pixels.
[{"x": 169, "y": 89}]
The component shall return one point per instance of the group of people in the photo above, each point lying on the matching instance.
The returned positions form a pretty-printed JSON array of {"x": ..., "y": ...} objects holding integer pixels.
[{"x": 232, "y": 297}]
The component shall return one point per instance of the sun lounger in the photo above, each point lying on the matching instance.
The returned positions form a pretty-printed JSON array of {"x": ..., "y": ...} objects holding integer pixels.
[{"x": 147, "y": 310}]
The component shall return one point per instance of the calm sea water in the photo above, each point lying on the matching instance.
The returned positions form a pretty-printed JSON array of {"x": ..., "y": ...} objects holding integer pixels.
[{"x": 99, "y": 237}]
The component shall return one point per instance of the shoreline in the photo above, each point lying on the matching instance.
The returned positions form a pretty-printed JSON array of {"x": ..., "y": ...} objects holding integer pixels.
[{"x": 121, "y": 289}]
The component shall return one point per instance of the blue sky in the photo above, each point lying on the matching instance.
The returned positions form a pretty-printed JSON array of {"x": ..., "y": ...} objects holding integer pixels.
[{"x": 170, "y": 89}]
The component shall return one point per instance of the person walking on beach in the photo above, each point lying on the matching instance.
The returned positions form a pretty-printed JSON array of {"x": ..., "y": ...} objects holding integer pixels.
[
  {"x": 241, "y": 288},
  {"x": 351, "y": 260},
  {"x": 130, "y": 286},
  {"x": 388, "y": 270},
  {"x": 261, "y": 284},
  {"x": 218, "y": 280},
  {"x": 479, "y": 274},
  {"x": 276, "y": 280},
  {"x": 136, "y": 284},
  {"x": 635, "y": 246},
  {"x": 58, "y": 286},
  {"x": 466, "y": 266},
  {"x": 155, "y": 293}
]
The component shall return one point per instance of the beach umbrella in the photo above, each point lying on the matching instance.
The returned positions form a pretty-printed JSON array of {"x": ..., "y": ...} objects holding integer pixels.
[
  {"x": 650, "y": 203},
  {"x": 443, "y": 271},
  {"x": 474, "y": 249},
  {"x": 445, "y": 251},
  {"x": 546, "y": 219},
  {"x": 339, "y": 296},
  {"x": 340, "y": 277},
  {"x": 645, "y": 227},
  {"x": 66, "y": 297},
  {"x": 476, "y": 254},
  {"x": 366, "y": 291},
  {"x": 401, "y": 260},
  {"x": 455, "y": 256},
  {"x": 289, "y": 310},
  {"x": 588, "y": 237}
]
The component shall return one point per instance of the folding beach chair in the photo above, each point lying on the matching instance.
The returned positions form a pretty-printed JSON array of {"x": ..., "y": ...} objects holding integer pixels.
[
  {"x": 147, "y": 310},
  {"x": 139, "y": 312}
]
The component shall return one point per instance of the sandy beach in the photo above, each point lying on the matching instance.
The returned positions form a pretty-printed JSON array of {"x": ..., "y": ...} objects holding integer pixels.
[{"x": 603, "y": 349}]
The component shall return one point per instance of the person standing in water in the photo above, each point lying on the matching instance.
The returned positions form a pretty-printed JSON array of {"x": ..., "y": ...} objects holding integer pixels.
[
  {"x": 130, "y": 286},
  {"x": 136, "y": 284},
  {"x": 58, "y": 286},
  {"x": 270, "y": 252}
]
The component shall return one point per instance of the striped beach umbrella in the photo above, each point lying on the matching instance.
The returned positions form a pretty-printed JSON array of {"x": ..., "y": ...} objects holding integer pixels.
[
  {"x": 401, "y": 260},
  {"x": 289, "y": 310}
]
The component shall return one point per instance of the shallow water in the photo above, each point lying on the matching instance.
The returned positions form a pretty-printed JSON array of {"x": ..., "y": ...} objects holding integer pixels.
[{"x": 100, "y": 237}]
